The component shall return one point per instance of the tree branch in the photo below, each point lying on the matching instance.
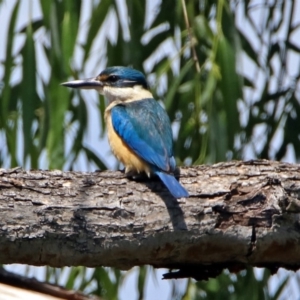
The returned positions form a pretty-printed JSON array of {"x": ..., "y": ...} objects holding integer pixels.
[{"x": 239, "y": 214}]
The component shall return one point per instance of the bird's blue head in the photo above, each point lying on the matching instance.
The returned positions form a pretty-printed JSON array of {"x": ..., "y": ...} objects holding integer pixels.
[
  {"x": 117, "y": 84},
  {"x": 122, "y": 77}
]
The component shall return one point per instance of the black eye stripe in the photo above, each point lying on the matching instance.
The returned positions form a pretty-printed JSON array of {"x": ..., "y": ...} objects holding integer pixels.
[{"x": 113, "y": 78}]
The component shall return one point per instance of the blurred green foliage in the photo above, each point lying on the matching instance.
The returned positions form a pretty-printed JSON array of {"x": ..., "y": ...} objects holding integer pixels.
[{"x": 243, "y": 103}]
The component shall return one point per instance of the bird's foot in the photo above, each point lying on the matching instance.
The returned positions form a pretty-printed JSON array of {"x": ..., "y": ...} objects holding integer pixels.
[{"x": 135, "y": 175}]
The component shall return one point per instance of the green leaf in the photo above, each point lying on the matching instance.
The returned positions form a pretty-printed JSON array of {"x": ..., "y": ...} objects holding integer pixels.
[
  {"x": 8, "y": 64},
  {"x": 92, "y": 157},
  {"x": 99, "y": 14},
  {"x": 231, "y": 87},
  {"x": 170, "y": 97},
  {"x": 142, "y": 272},
  {"x": 30, "y": 100},
  {"x": 70, "y": 26}
]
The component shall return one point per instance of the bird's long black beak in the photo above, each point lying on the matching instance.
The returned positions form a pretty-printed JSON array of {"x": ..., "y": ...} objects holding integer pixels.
[{"x": 90, "y": 83}]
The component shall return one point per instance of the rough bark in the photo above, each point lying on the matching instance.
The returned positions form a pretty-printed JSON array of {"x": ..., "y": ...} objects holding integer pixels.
[{"x": 239, "y": 214}]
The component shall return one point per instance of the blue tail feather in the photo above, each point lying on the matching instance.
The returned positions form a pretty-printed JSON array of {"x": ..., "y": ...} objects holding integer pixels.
[{"x": 175, "y": 188}]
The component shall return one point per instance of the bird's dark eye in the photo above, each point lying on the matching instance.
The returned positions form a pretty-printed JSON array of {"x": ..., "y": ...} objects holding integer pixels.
[{"x": 113, "y": 78}]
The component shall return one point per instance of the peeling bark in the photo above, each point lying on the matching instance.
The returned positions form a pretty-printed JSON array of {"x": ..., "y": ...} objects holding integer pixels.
[{"x": 239, "y": 214}]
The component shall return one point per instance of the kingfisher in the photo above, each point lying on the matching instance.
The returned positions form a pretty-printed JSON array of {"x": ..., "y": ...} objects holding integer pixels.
[{"x": 139, "y": 129}]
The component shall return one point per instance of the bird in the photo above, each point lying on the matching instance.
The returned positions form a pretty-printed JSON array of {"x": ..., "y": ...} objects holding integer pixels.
[{"x": 138, "y": 128}]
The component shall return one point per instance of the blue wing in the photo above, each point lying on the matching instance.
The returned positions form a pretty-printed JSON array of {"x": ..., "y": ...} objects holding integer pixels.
[{"x": 145, "y": 128}]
